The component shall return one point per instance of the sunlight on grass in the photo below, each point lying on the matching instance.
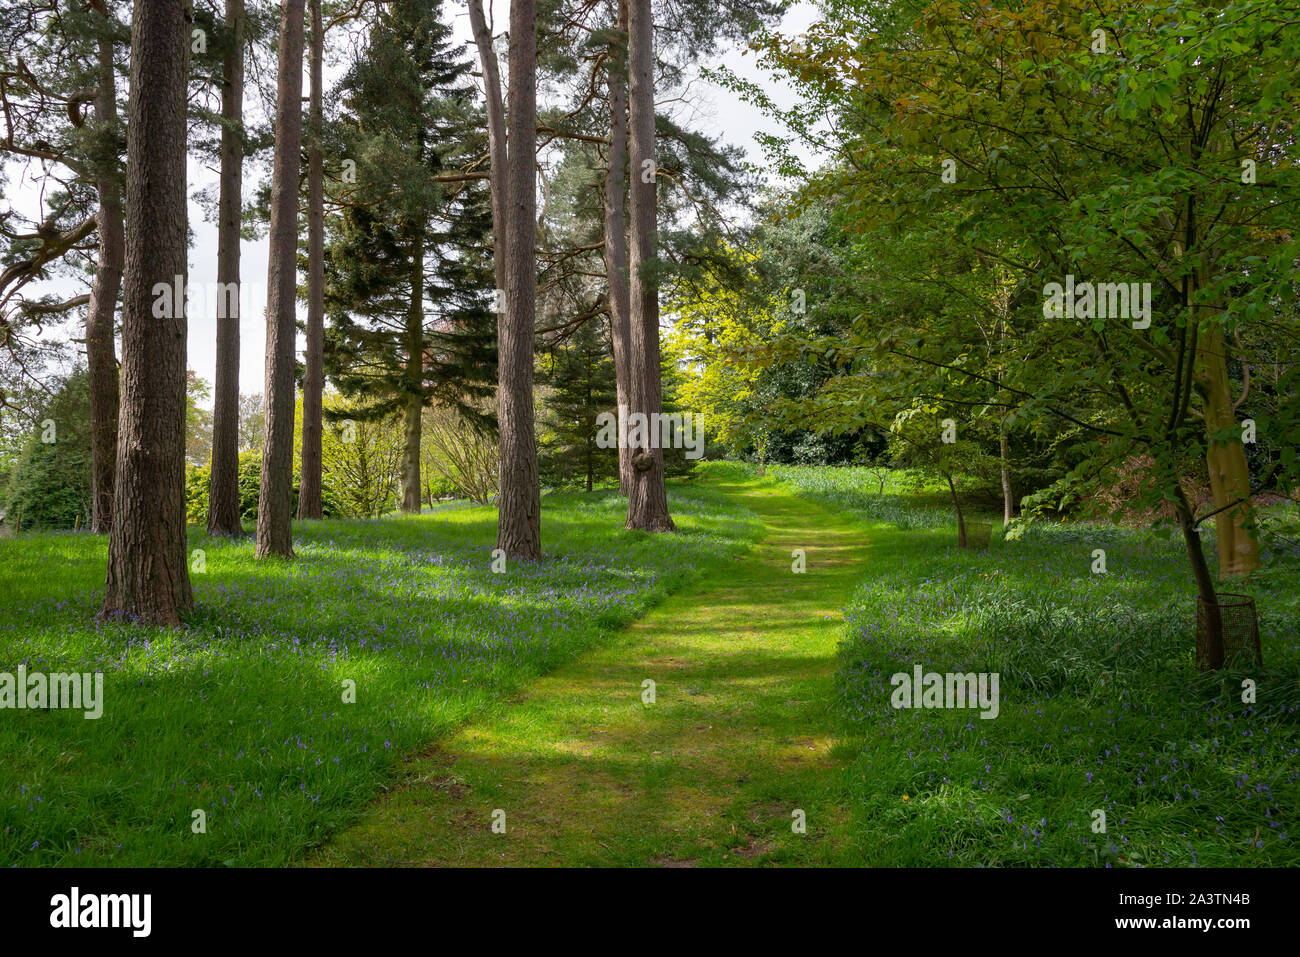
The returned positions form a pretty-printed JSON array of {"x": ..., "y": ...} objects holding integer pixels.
[
  {"x": 1101, "y": 707},
  {"x": 241, "y": 713}
]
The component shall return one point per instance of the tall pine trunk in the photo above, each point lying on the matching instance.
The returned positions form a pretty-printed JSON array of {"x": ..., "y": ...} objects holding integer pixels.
[
  {"x": 616, "y": 264},
  {"x": 414, "y": 384},
  {"x": 519, "y": 508},
  {"x": 313, "y": 382},
  {"x": 647, "y": 506},
  {"x": 148, "y": 579},
  {"x": 275, "y": 498},
  {"x": 101, "y": 356},
  {"x": 223, "y": 483},
  {"x": 497, "y": 152}
]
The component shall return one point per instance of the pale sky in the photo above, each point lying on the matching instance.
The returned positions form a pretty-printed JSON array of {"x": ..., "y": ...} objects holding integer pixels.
[{"x": 718, "y": 111}]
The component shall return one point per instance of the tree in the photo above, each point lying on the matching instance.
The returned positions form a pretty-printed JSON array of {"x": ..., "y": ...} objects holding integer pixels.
[
  {"x": 616, "y": 255},
  {"x": 148, "y": 576},
  {"x": 409, "y": 285},
  {"x": 198, "y": 420},
  {"x": 496, "y": 131},
  {"x": 309, "y": 492},
  {"x": 101, "y": 354},
  {"x": 363, "y": 460},
  {"x": 582, "y": 386},
  {"x": 223, "y": 491},
  {"x": 647, "y": 507},
  {"x": 459, "y": 456},
  {"x": 519, "y": 506},
  {"x": 1090, "y": 144},
  {"x": 51, "y": 485},
  {"x": 274, "y": 529},
  {"x": 252, "y": 420},
  {"x": 937, "y": 447},
  {"x": 719, "y": 332},
  {"x": 59, "y": 66}
]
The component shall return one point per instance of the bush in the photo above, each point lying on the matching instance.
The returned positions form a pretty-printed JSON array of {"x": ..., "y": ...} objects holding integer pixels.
[
  {"x": 198, "y": 477},
  {"x": 49, "y": 486}
]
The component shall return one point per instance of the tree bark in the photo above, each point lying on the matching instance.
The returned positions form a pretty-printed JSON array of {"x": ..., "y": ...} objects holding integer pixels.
[
  {"x": 275, "y": 497},
  {"x": 148, "y": 578},
  {"x": 647, "y": 506},
  {"x": 313, "y": 383},
  {"x": 101, "y": 354},
  {"x": 223, "y": 483},
  {"x": 414, "y": 384},
  {"x": 961, "y": 519},
  {"x": 1204, "y": 580},
  {"x": 519, "y": 508},
  {"x": 497, "y": 152},
  {"x": 1225, "y": 458},
  {"x": 1008, "y": 495},
  {"x": 616, "y": 262}
]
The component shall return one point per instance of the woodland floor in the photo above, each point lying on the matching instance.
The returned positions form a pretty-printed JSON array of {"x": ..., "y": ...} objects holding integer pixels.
[{"x": 740, "y": 736}]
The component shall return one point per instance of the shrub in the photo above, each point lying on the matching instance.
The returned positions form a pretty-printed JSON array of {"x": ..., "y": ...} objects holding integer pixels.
[
  {"x": 49, "y": 486},
  {"x": 198, "y": 477}
]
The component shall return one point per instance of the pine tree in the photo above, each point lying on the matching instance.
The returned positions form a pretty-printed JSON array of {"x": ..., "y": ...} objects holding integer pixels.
[
  {"x": 274, "y": 516},
  {"x": 148, "y": 575},
  {"x": 582, "y": 383},
  {"x": 409, "y": 275}
]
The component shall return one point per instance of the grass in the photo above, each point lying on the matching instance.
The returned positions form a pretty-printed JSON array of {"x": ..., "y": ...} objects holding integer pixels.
[
  {"x": 1101, "y": 707},
  {"x": 523, "y": 692},
  {"x": 241, "y": 714},
  {"x": 739, "y": 739},
  {"x": 894, "y": 497}
]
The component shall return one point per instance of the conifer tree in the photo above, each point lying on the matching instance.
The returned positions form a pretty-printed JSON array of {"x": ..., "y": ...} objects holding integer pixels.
[{"x": 409, "y": 275}]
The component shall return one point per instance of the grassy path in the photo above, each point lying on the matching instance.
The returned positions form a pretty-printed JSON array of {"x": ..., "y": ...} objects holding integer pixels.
[{"x": 740, "y": 734}]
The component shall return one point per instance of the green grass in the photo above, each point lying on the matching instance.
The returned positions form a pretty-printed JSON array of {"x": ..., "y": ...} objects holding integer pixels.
[
  {"x": 522, "y": 692},
  {"x": 899, "y": 498},
  {"x": 241, "y": 713},
  {"x": 1101, "y": 708},
  {"x": 740, "y": 736}
]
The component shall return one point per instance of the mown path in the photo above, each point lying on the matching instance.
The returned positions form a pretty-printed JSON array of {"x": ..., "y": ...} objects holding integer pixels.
[{"x": 740, "y": 734}]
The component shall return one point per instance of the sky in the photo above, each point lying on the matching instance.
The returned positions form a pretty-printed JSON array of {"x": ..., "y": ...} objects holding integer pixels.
[{"x": 718, "y": 112}]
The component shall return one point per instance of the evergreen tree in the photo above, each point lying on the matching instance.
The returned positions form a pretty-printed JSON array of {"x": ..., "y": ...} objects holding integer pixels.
[
  {"x": 50, "y": 486},
  {"x": 583, "y": 386},
  {"x": 408, "y": 274}
]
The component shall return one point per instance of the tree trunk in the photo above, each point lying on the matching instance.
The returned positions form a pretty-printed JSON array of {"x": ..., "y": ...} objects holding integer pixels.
[
  {"x": 148, "y": 578},
  {"x": 1225, "y": 458},
  {"x": 313, "y": 382},
  {"x": 497, "y": 153},
  {"x": 414, "y": 384},
  {"x": 223, "y": 483},
  {"x": 616, "y": 264},
  {"x": 101, "y": 356},
  {"x": 1204, "y": 581},
  {"x": 956, "y": 504},
  {"x": 647, "y": 506},
  {"x": 519, "y": 507},
  {"x": 1008, "y": 495},
  {"x": 275, "y": 497}
]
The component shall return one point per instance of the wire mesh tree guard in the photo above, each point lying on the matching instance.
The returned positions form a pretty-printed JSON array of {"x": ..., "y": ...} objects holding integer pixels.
[{"x": 1237, "y": 623}]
